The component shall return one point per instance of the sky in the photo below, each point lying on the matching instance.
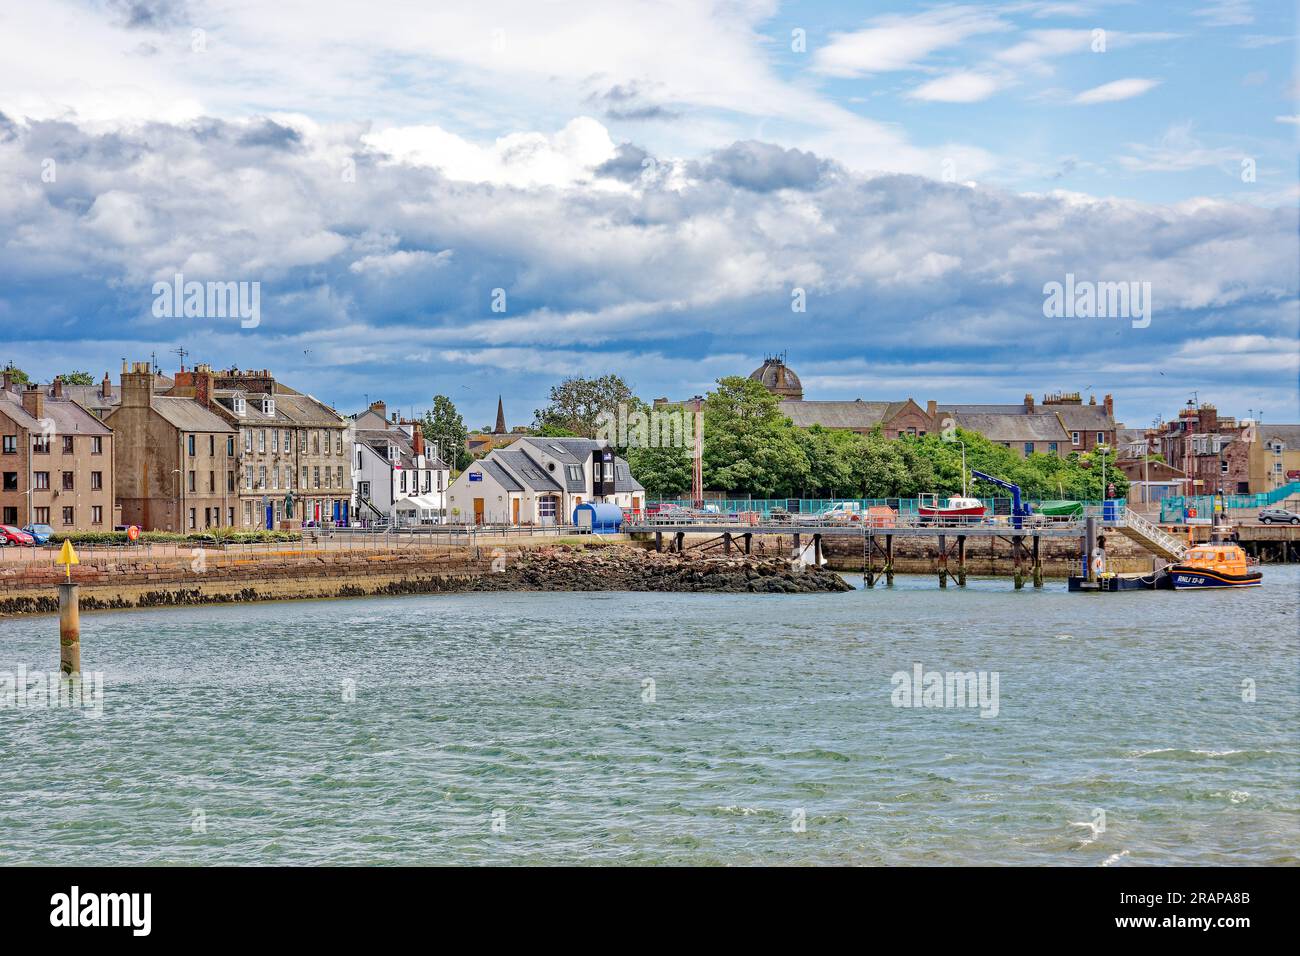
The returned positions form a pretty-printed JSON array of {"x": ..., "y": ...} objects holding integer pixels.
[{"x": 483, "y": 199}]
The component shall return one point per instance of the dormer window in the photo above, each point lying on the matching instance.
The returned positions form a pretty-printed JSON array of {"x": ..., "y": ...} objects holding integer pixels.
[
  {"x": 392, "y": 452},
  {"x": 268, "y": 406},
  {"x": 241, "y": 407}
]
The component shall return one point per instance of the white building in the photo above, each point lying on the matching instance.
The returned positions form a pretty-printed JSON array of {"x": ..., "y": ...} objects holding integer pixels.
[
  {"x": 539, "y": 481},
  {"x": 397, "y": 478}
]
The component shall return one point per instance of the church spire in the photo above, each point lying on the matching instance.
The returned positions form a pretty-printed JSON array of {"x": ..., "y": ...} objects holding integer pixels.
[{"x": 501, "y": 418}]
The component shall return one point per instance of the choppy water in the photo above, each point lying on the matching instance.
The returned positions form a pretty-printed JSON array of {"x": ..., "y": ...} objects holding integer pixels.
[{"x": 225, "y": 736}]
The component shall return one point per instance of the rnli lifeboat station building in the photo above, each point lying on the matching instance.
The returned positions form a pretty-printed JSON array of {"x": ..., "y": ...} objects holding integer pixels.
[{"x": 539, "y": 481}]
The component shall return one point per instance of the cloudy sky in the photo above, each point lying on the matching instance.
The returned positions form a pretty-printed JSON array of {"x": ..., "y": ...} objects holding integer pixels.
[{"x": 485, "y": 197}]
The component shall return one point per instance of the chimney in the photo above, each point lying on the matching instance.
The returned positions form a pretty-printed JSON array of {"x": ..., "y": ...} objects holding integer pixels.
[
  {"x": 1029, "y": 402},
  {"x": 1109, "y": 403},
  {"x": 417, "y": 441},
  {"x": 203, "y": 384},
  {"x": 932, "y": 408},
  {"x": 380, "y": 409},
  {"x": 1092, "y": 399},
  {"x": 105, "y": 387},
  {"x": 34, "y": 401},
  {"x": 8, "y": 379},
  {"x": 56, "y": 387},
  {"x": 137, "y": 385}
]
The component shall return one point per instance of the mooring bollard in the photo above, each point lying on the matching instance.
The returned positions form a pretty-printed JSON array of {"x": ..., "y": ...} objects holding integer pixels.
[{"x": 69, "y": 630}]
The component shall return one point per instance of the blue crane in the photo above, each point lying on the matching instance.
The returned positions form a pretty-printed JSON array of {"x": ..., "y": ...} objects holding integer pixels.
[{"x": 1018, "y": 511}]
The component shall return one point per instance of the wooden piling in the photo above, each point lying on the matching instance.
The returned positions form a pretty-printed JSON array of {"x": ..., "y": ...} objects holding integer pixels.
[
  {"x": 817, "y": 551},
  {"x": 69, "y": 630},
  {"x": 943, "y": 560},
  {"x": 749, "y": 542},
  {"x": 889, "y": 560},
  {"x": 1017, "y": 551},
  {"x": 961, "y": 560},
  {"x": 726, "y": 542},
  {"x": 659, "y": 541},
  {"x": 681, "y": 541},
  {"x": 797, "y": 542},
  {"x": 1038, "y": 565}
]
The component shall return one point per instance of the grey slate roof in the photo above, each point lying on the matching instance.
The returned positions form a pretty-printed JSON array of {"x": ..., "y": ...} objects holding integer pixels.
[
  {"x": 1288, "y": 435},
  {"x": 1015, "y": 428},
  {"x": 854, "y": 414},
  {"x": 187, "y": 415},
  {"x": 69, "y": 418},
  {"x": 503, "y": 477}
]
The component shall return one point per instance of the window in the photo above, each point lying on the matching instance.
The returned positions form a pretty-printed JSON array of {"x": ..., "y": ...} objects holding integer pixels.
[
  {"x": 275, "y": 476},
  {"x": 69, "y": 516},
  {"x": 1101, "y": 438},
  {"x": 10, "y": 446},
  {"x": 1029, "y": 448},
  {"x": 97, "y": 445},
  {"x": 230, "y": 483},
  {"x": 1223, "y": 467},
  {"x": 315, "y": 443},
  {"x": 41, "y": 444},
  {"x": 230, "y": 447},
  {"x": 1051, "y": 446},
  {"x": 428, "y": 482},
  {"x": 574, "y": 473},
  {"x": 231, "y": 522},
  {"x": 41, "y": 480},
  {"x": 11, "y": 481},
  {"x": 248, "y": 512},
  {"x": 338, "y": 443},
  {"x": 315, "y": 473},
  {"x": 261, "y": 440},
  {"x": 212, "y": 446},
  {"x": 43, "y": 515},
  {"x": 248, "y": 440},
  {"x": 403, "y": 482},
  {"x": 212, "y": 482},
  {"x": 96, "y": 514},
  {"x": 339, "y": 472},
  {"x": 193, "y": 519},
  {"x": 67, "y": 481},
  {"x": 268, "y": 406},
  {"x": 261, "y": 476},
  {"x": 1074, "y": 438},
  {"x": 10, "y": 515},
  {"x": 304, "y": 477},
  {"x": 192, "y": 481},
  {"x": 288, "y": 439},
  {"x": 546, "y": 507},
  {"x": 67, "y": 444},
  {"x": 275, "y": 439},
  {"x": 248, "y": 477},
  {"x": 189, "y": 444},
  {"x": 241, "y": 407}
]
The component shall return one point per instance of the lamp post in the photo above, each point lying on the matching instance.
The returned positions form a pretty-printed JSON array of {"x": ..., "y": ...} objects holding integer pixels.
[{"x": 963, "y": 466}]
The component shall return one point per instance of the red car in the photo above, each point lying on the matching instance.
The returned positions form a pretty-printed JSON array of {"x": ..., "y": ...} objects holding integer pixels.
[{"x": 9, "y": 535}]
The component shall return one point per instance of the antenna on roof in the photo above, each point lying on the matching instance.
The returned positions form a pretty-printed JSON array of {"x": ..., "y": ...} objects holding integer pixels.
[{"x": 182, "y": 353}]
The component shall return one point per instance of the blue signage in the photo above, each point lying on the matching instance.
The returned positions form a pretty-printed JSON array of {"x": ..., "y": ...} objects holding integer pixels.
[{"x": 476, "y": 476}]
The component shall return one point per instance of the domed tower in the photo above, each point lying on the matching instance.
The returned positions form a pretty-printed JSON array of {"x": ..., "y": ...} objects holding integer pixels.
[{"x": 778, "y": 379}]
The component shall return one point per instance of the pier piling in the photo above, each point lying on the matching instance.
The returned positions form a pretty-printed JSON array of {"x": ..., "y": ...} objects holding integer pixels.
[
  {"x": 943, "y": 560},
  {"x": 659, "y": 541},
  {"x": 1018, "y": 552},
  {"x": 749, "y": 543},
  {"x": 69, "y": 630},
  {"x": 726, "y": 542},
  {"x": 1038, "y": 565},
  {"x": 681, "y": 541},
  {"x": 889, "y": 560},
  {"x": 961, "y": 560},
  {"x": 817, "y": 550},
  {"x": 797, "y": 549}
]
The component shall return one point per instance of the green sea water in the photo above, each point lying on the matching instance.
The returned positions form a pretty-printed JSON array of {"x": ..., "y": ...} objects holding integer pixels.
[{"x": 545, "y": 728}]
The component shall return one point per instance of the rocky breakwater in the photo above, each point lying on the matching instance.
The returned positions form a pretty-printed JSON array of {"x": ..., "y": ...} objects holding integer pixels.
[{"x": 617, "y": 568}]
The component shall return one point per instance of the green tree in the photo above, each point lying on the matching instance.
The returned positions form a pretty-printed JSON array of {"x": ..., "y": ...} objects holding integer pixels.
[
  {"x": 442, "y": 424},
  {"x": 78, "y": 378},
  {"x": 18, "y": 375},
  {"x": 577, "y": 403},
  {"x": 749, "y": 446}
]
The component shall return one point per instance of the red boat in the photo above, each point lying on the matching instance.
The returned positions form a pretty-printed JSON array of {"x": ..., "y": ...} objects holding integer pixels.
[{"x": 963, "y": 510}]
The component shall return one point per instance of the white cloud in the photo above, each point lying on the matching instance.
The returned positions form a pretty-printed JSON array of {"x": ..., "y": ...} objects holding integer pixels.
[
  {"x": 1117, "y": 90},
  {"x": 961, "y": 87},
  {"x": 897, "y": 42},
  {"x": 1227, "y": 13},
  {"x": 1293, "y": 119}
]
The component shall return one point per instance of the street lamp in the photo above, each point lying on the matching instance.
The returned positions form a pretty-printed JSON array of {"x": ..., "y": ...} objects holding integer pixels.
[{"x": 963, "y": 466}]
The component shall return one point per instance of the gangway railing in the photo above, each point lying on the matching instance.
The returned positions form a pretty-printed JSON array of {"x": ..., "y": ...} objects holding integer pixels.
[{"x": 1145, "y": 532}]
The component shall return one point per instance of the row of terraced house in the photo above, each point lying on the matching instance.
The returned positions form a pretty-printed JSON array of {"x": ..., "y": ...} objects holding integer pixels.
[{"x": 206, "y": 449}]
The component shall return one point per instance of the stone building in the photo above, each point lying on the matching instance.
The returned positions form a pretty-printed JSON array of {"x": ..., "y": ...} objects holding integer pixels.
[
  {"x": 397, "y": 478},
  {"x": 174, "y": 458},
  {"x": 1274, "y": 457},
  {"x": 56, "y": 461},
  {"x": 778, "y": 379},
  {"x": 290, "y": 450}
]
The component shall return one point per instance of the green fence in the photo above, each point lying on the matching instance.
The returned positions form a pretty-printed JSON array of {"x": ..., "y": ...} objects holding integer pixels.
[
  {"x": 1172, "y": 508},
  {"x": 812, "y": 506}
]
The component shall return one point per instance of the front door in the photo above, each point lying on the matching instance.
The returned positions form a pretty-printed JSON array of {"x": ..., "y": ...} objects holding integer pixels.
[
  {"x": 478, "y": 510},
  {"x": 270, "y": 518},
  {"x": 636, "y": 504},
  {"x": 514, "y": 511}
]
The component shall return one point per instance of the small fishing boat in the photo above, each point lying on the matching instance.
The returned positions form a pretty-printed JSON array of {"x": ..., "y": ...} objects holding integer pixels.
[
  {"x": 1060, "y": 509},
  {"x": 957, "y": 509},
  {"x": 1219, "y": 564}
]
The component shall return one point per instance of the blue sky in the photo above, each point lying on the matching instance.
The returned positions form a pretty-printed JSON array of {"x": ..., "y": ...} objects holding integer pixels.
[{"x": 650, "y": 184}]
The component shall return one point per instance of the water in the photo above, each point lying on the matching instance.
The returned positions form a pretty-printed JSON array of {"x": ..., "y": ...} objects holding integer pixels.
[{"x": 225, "y": 737}]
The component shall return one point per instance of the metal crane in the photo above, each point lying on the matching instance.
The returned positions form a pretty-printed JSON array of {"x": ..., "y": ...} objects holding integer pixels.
[{"x": 1018, "y": 511}]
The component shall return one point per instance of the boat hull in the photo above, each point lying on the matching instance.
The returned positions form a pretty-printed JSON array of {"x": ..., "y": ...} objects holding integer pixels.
[{"x": 1195, "y": 579}]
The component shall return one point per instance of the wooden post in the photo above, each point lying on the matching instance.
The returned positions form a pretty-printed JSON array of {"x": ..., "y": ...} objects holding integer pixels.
[
  {"x": 797, "y": 542},
  {"x": 868, "y": 556},
  {"x": 681, "y": 541},
  {"x": 943, "y": 560},
  {"x": 817, "y": 551},
  {"x": 726, "y": 542},
  {"x": 749, "y": 542},
  {"x": 69, "y": 630},
  {"x": 1038, "y": 565},
  {"x": 1017, "y": 550},
  {"x": 659, "y": 540},
  {"x": 889, "y": 560},
  {"x": 961, "y": 560}
]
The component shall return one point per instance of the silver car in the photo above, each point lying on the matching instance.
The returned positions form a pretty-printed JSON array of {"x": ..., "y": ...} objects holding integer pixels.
[{"x": 1279, "y": 515}]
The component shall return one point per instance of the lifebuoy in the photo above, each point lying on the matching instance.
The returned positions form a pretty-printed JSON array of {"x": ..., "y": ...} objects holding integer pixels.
[
  {"x": 1099, "y": 563},
  {"x": 1191, "y": 512}
]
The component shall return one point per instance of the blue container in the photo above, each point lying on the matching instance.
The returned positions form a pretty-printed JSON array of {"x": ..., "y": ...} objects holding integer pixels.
[
  {"x": 598, "y": 518},
  {"x": 1110, "y": 509}
]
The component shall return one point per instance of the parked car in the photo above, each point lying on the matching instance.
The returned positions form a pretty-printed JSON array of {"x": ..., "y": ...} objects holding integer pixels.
[
  {"x": 41, "y": 532},
  {"x": 1279, "y": 515},
  {"x": 845, "y": 512},
  {"x": 15, "y": 537}
]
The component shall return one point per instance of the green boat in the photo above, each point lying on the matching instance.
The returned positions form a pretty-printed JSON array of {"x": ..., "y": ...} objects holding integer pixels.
[{"x": 1060, "y": 509}]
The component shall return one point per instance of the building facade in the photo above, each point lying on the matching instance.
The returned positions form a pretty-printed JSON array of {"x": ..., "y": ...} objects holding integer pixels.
[
  {"x": 56, "y": 461},
  {"x": 539, "y": 481},
  {"x": 174, "y": 458},
  {"x": 398, "y": 479}
]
